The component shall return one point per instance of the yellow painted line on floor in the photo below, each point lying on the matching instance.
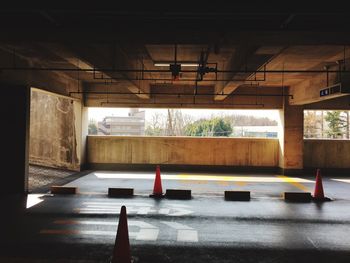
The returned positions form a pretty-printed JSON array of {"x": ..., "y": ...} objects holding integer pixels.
[
  {"x": 294, "y": 182},
  {"x": 199, "y": 177},
  {"x": 241, "y": 183},
  {"x": 239, "y": 179}
]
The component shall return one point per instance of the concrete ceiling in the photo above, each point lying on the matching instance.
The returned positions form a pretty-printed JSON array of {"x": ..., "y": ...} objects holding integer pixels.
[{"x": 114, "y": 52}]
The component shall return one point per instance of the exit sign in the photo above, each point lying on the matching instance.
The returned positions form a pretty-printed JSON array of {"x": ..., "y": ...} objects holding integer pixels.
[{"x": 324, "y": 92}]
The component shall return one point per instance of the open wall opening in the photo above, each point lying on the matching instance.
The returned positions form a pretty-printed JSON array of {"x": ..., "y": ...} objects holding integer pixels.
[
  {"x": 327, "y": 140},
  {"x": 183, "y": 122},
  {"x": 176, "y": 138}
]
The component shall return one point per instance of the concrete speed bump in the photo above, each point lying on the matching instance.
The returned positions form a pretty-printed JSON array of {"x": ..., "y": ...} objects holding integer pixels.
[
  {"x": 178, "y": 194},
  {"x": 64, "y": 190},
  {"x": 297, "y": 196},
  {"x": 237, "y": 195},
  {"x": 120, "y": 192}
]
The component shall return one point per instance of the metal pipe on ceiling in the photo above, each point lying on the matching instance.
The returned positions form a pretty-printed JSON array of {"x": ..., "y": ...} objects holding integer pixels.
[
  {"x": 279, "y": 71},
  {"x": 181, "y": 104},
  {"x": 181, "y": 94},
  {"x": 165, "y": 79}
]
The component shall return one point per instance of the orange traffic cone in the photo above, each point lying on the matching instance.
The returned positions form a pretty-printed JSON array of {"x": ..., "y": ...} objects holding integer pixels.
[
  {"x": 319, "y": 194},
  {"x": 157, "y": 188},
  {"x": 121, "y": 251}
]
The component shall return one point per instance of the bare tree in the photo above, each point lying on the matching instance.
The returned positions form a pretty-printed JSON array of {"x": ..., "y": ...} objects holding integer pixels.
[{"x": 172, "y": 123}]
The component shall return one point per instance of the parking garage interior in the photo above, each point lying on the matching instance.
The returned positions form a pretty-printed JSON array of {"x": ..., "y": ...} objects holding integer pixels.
[{"x": 56, "y": 63}]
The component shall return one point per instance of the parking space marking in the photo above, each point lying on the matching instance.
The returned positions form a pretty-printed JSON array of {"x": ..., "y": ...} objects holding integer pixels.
[
  {"x": 132, "y": 208},
  {"x": 176, "y": 225},
  {"x": 146, "y": 234},
  {"x": 184, "y": 232},
  {"x": 294, "y": 181},
  {"x": 187, "y": 236}
]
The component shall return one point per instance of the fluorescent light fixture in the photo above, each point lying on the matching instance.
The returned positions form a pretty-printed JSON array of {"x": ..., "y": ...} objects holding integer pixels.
[
  {"x": 161, "y": 64},
  {"x": 189, "y": 64},
  {"x": 183, "y": 64}
]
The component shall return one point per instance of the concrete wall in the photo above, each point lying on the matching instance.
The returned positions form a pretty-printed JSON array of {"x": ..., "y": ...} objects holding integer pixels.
[
  {"x": 327, "y": 154},
  {"x": 55, "y": 130},
  {"x": 182, "y": 151},
  {"x": 211, "y": 151}
]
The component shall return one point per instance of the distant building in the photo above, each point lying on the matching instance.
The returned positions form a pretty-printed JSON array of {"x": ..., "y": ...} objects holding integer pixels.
[
  {"x": 133, "y": 125},
  {"x": 255, "y": 131}
]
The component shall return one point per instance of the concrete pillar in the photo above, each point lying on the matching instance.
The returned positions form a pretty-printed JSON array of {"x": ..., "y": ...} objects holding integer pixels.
[
  {"x": 15, "y": 112},
  {"x": 291, "y": 139},
  {"x": 84, "y": 134}
]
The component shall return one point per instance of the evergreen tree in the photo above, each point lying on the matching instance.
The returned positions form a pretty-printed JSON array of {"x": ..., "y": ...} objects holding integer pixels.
[
  {"x": 336, "y": 124},
  {"x": 212, "y": 127}
]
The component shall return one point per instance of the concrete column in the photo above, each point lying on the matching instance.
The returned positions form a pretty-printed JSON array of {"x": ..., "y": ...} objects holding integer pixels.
[
  {"x": 15, "y": 112},
  {"x": 291, "y": 139},
  {"x": 84, "y": 134}
]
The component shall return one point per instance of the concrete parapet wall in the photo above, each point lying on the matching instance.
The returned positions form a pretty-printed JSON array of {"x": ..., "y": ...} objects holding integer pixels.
[
  {"x": 182, "y": 151},
  {"x": 327, "y": 154}
]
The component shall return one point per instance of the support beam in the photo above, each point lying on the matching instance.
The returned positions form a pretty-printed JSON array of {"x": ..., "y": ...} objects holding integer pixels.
[
  {"x": 91, "y": 61},
  {"x": 53, "y": 81},
  {"x": 237, "y": 61},
  {"x": 246, "y": 58}
]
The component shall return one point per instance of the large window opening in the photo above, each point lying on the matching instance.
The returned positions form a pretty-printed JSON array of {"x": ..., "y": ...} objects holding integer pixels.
[
  {"x": 183, "y": 122},
  {"x": 320, "y": 124}
]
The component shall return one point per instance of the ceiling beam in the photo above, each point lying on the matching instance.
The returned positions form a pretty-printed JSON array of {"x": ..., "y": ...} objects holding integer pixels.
[
  {"x": 91, "y": 60},
  {"x": 244, "y": 58}
]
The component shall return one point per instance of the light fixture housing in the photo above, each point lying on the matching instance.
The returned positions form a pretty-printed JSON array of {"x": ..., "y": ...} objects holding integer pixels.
[{"x": 183, "y": 64}]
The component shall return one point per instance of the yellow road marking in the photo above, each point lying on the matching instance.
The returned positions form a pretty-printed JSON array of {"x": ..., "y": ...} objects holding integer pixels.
[
  {"x": 293, "y": 182},
  {"x": 241, "y": 183},
  {"x": 233, "y": 178},
  {"x": 199, "y": 177}
]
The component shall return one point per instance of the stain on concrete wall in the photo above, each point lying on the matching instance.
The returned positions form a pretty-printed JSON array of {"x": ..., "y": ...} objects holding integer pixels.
[{"x": 53, "y": 131}]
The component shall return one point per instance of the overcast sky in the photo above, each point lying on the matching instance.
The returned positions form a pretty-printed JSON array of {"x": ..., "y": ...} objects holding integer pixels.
[{"x": 99, "y": 113}]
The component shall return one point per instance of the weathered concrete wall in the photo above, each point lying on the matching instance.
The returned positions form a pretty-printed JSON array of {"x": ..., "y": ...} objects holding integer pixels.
[
  {"x": 55, "y": 130},
  {"x": 327, "y": 154},
  {"x": 182, "y": 151}
]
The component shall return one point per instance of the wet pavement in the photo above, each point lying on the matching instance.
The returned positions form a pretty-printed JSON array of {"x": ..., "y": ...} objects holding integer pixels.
[{"x": 82, "y": 228}]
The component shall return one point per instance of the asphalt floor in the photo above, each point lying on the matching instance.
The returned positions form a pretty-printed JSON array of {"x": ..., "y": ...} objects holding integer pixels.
[{"x": 206, "y": 228}]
